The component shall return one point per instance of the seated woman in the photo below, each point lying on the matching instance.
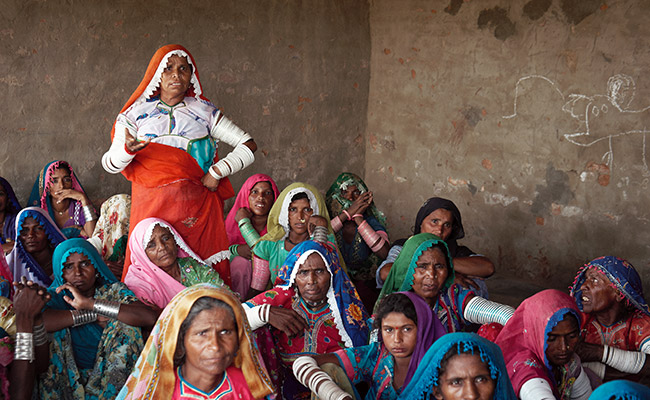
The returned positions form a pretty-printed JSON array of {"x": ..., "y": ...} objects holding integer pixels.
[
  {"x": 461, "y": 366},
  {"x": 538, "y": 345},
  {"x": 425, "y": 267},
  {"x": 288, "y": 224},
  {"x": 442, "y": 218},
  {"x": 111, "y": 233},
  {"x": 9, "y": 207},
  {"x": 94, "y": 319},
  {"x": 245, "y": 223},
  {"x": 621, "y": 390},
  {"x": 616, "y": 320},
  {"x": 38, "y": 235},
  {"x": 162, "y": 264},
  {"x": 58, "y": 191},
  {"x": 360, "y": 231},
  {"x": 408, "y": 328},
  {"x": 201, "y": 322},
  {"x": 314, "y": 309}
]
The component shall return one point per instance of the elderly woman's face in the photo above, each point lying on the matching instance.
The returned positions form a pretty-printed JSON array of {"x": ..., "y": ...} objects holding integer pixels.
[
  {"x": 299, "y": 213},
  {"x": 80, "y": 273},
  {"x": 33, "y": 236},
  {"x": 162, "y": 249},
  {"x": 211, "y": 342},
  {"x": 175, "y": 79},
  {"x": 260, "y": 198},
  {"x": 430, "y": 274},
  {"x": 313, "y": 280},
  {"x": 598, "y": 295},
  {"x": 440, "y": 223},
  {"x": 465, "y": 377}
]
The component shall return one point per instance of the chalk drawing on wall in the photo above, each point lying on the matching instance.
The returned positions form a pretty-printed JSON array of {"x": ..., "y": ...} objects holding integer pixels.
[{"x": 602, "y": 117}]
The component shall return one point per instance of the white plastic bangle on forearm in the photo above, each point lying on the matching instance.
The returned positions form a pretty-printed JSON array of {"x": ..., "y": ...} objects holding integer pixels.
[
  {"x": 482, "y": 311},
  {"x": 630, "y": 362}
]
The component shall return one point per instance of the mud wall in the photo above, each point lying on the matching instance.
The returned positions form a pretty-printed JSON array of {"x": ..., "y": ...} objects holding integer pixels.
[
  {"x": 530, "y": 115},
  {"x": 282, "y": 70}
]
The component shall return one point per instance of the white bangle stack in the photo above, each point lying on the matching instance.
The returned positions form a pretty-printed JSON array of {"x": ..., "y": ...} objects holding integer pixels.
[
  {"x": 630, "y": 362},
  {"x": 307, "y": 372}
]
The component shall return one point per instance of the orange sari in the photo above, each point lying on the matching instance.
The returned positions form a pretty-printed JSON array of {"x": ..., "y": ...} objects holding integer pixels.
[{"x": 166, "y": 184}]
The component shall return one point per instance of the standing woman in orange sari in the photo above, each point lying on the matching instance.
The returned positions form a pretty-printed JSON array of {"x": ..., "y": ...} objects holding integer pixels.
[{"x": 165, "y": 142}]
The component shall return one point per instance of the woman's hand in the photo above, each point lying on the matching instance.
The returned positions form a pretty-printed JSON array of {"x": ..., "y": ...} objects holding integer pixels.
[
  {"x": 244, "y": 251},
  {"x": 80, "y": 302},
  {"x": 210, "y": 182},
  {"x": 132, "y": 144},
  {"x": 288, "y": 321},
  {"x": 71, "y": 194},
  {"x": 243, "y": 213},
  {"x": 589, "y": 352},
  {"x": 465, "y": 281},
  {"x": 29, "y": 300},
  {"x": 360, "y": 205},
  {"x": 314, "y": 221}
]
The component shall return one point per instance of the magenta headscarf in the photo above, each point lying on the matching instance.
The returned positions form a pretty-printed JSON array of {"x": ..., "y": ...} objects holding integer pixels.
[
  {"x": 430, "y": 329},
  {"x": 523, "y": 338},
  {"x": 151, "y": 284},
  {"x": 232, "y": 230}
]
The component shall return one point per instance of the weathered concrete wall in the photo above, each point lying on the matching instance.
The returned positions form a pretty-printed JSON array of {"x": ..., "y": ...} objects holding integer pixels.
[
  {"x": 294, "y": 74},
  {"x": 528, "y": 114}
]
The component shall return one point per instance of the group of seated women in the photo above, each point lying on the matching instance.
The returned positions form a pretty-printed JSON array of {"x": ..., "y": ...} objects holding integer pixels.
[
  {"x": 292, "y": 295},
  {"x": 293, "y": 323}
]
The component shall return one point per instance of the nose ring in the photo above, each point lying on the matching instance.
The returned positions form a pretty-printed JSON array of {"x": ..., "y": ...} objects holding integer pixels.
[{"x": 302, "y": 221}]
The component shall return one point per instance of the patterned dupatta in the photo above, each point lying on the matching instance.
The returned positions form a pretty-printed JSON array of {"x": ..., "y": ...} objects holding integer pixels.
[
  {"x": 112, "y": 229},
  {"x": 621, "y": 274},
  {"x": 153, "y": 376},
  {"x": 40, "y": 197},
  {"x": 336, "y": 203},
  {"x": 348, "y": 311}
]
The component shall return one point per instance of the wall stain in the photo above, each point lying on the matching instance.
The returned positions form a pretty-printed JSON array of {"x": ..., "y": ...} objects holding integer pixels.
[
  {"x": 453, "y": 7},
  {"x": 497, "y": 18},
  {"x": 557, "y": 191},
  {"x": 577, "y": 10},
  {"x": 472, "y": 115},
  {"x": 472, "y": 189},
  {"x": 535, "y": 9}
]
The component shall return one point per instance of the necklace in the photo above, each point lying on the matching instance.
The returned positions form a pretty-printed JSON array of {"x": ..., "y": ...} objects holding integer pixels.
[{"x": 291, "y": 241}]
